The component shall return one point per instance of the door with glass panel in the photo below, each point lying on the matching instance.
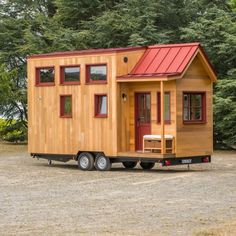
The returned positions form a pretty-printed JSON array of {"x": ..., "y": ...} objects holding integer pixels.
[{"x": 142, "y": 118}]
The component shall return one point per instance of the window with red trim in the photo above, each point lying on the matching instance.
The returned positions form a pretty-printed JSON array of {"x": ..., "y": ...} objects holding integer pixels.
[
  {"x": 194, "y": 107},
  {"x": 96, "y": 74},
  {"x": 45, "y": 76},
  {"x": 100, "y": 105},
  {"x": 66, "y": 106},
  {"x": 166, "y": 107},
  {"x": 70, "y": 74}
]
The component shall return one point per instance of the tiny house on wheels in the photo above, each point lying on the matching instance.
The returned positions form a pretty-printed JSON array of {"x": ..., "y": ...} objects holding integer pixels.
[{"x": 138, "y": 104}]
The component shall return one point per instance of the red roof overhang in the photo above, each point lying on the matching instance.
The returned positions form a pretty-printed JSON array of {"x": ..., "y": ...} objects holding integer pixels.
[
  {"x": 148, "y": 76},
  {"x": 165, "y": 61}
]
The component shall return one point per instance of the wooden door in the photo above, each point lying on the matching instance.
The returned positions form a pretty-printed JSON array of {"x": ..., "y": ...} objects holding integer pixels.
[{"x": 142, "y": 118}]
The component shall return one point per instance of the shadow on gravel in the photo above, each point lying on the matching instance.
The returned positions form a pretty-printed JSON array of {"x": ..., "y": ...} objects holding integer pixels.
[
  {"x": 160, "y": 169},
  {"x": 164, "y": 171},
  {"x": 55, "y": 165}
]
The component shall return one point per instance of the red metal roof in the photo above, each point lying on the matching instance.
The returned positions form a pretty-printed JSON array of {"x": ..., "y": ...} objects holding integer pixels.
[
  {"x": 157, "y": 61},
  {"x": 164, "y": 60}
]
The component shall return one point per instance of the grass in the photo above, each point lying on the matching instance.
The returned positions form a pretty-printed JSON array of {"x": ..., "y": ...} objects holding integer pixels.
[{"x": 6, "y": 147}]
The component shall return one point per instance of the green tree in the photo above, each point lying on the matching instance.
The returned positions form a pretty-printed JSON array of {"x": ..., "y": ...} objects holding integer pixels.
[
  {"x": 70, "y": 13},
  {"x": 216, "y": 30},
  {"x": 31, "y": 27},
  {"x": 15, "y": 18},
  {"x": 225, "y": 113}
]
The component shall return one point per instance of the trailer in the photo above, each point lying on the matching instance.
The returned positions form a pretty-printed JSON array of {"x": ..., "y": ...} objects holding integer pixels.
[{"x": 146, "y": 104}]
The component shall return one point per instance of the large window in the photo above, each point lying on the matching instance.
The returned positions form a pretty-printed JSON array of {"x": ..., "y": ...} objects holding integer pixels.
[
  {"x": 70, "y": 74},
  {"x": 194, "y": 107},
  {"x": 45, "y": 76},
  {"x": 166, "y": 107},
  {"x": 100, "y": 105},
  {"x": 96, "y": 74},
  {"x": 66, "y": 106}
]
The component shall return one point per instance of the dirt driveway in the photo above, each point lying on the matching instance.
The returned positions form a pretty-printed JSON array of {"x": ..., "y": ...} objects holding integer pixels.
[{"x": 37, "y": 199}]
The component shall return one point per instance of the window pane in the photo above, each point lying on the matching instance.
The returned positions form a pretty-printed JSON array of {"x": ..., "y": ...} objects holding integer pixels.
[
  {"x": 148, "y": 108},
  {"x": 186, "y": 114},
  {"x": 46, "y": 75},
  {"x": 98, "y": 73},
  {"x": 144, "y": 107},
  {"x": 167, "y": 106},
  {"x": 72, "y": 74},
  {"x": 67, "y": 105},
  {"x": 103, "y": 105},
  {"x": 100, "y": 105},
  {"x": 193, "y": 110},
  {"x": 196, "y": 100},
  {"x": 186, "y": 100},
  {"x": 196, "y": 113}
]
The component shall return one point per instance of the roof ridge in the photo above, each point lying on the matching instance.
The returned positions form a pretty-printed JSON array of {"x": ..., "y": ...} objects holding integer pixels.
[{"x": 173, "y": 45}]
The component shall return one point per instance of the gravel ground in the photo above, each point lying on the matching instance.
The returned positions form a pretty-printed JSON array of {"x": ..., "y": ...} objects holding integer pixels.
[{"x": 37, "y": 199}]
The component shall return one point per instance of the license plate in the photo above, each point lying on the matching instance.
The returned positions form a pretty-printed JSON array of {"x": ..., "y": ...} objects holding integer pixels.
[{"x": 186, "y": 161}]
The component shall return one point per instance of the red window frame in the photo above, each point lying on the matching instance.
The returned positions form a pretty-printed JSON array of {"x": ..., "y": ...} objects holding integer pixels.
[
  {"x": 96, "y": 106},
  {"x": 62, "y": 75},
  {"x": 159, "y": 108},
  {"x": 37, "y": 76},
  {"x": 87, "y": 79},
  {"x": 62, "y": 106},
  {"x": 203, "y": 107}
]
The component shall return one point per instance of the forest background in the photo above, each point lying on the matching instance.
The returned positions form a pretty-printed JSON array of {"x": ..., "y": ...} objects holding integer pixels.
[{"x": 40, "y": 26}]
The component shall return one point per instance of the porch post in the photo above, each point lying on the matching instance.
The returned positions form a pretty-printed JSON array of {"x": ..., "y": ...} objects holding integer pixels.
[{"x": 163, "y": 149}]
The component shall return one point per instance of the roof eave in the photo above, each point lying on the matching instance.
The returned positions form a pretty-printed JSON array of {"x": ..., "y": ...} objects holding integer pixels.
[
  {"x": 147, "y": 79},
  {"x": 86, "y": 52},
  {"x": 205, "y": 61},
  {"x": 207, "y": 65}
]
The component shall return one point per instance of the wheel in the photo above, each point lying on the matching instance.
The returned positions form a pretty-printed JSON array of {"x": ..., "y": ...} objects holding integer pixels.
[
  {"x": 102, "y": 162},
  {"x": 147, "y": 165},
  {"x": 85, "y": 161},
  {"x": 129, "y": 164}
]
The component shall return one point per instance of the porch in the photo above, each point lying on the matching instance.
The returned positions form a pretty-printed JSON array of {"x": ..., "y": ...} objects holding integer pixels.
[
  {"x": 138, "y": 154},
  {"x": 141, "y": 104}
]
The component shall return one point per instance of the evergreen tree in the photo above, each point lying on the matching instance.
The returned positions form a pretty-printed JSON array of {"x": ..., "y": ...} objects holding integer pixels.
[
  {"x": 31, "y": 27},
  {"x": 225, "y": 113},
  {"x": 216, "y": 30}
]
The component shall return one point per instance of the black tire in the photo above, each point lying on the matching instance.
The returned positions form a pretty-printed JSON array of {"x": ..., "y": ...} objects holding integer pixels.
[
  {"x": 102, "y": 163},
  {"x": 147, "y": 165},
  {"x": 85, "y": 161},
  {"x": 129, "y": 164}
]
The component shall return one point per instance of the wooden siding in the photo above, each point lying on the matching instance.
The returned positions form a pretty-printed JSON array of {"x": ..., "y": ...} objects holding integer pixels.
[
  {"x": 48, "y": 133},
  {"x": 125, "y": 68},
  {"x": 126, "y": 116},
  {"x": 194, "y": 139}
]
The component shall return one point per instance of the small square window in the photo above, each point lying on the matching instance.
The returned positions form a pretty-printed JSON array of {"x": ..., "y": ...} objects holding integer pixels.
[
  {"x": 194, "y": 107},
  {"x": 66, "y": 106},
  {"x": 96, "y": 74},
  {"x": 45, "y": 76},
  {"x": 70, "y": 74},
  {"x": 101, "y": 105}
]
